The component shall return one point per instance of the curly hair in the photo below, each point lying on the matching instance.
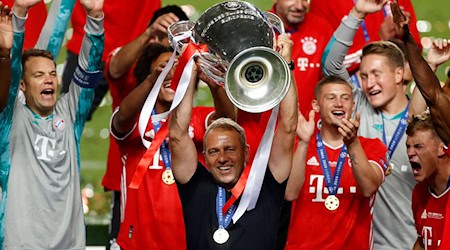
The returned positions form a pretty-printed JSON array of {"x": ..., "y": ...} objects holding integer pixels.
[{"x": 144, "y": 63}]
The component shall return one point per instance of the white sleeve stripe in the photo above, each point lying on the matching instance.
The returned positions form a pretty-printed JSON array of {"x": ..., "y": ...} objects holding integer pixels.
[{"x": 119, "y": 138}]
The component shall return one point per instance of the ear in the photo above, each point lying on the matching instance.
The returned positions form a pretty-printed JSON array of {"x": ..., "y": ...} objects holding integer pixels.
[
  {"x": 22, "y": 85},
  {"x": 315, "y": 106},
  {"x": 399, "y": 75},
  {"x": 441, "y": 150}
]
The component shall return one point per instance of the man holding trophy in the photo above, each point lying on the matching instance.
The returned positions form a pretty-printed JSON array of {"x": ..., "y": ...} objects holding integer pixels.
[{"x": 211, "y": 221}]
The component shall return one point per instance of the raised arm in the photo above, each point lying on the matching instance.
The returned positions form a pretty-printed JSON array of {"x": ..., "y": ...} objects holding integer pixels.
[
  {"x": 339, "y": 44},
  {"x": 182, "y": 148},
  {"x": 52, "y": 34},
  {"x": 6, "y": 43},
  {"x": 19, "y": 17},
  {"x": 125, "y": 119},
  {"x": 305, "y": 129},
  {"x": 425, "y": 78},
  {"x": 368, "y": 176},
  {"x": 128, "y": 54},
  {"x": 280, "y": 159},
  {"x": 222, "y": 104},
  {"x": 85, "y": 78}
]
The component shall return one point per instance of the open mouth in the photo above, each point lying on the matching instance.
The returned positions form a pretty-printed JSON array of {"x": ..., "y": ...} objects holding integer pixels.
[
  {"x": 224, "y": 168},
  {"x": 374, "y": 92},
  {"x": 416, "y": 167},
  {"x": 339, "y": 114},
  {"x": 166, "y": 84},
  {"x": 48, "y": 92}
]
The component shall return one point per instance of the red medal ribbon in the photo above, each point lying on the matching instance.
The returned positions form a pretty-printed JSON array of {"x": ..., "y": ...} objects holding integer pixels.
[
  {"x": 163, "y": 131},
  {"x": 147, "y": 159},
  {"x": 238, "y": 189}
]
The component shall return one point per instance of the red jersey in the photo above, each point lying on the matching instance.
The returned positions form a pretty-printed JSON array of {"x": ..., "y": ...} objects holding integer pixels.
[
  {"x": 119, "y": 89},
  {"x": 153, "y": 217},
  {"x": 429, "y": 215},
  {"x": 312, "y": 226},
  {"x": 36, "y": 20},
  {"x": 124, "y": 21},
  {"x": 310, "y": 40},
  {"x": 334, "y": 13}
]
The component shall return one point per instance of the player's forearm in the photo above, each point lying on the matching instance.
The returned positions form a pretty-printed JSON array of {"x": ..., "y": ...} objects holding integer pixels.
[
  {"x": 131, "y": 107},
  {"x": 222, "y": 104},
  {"x": 93, "y": 43},
  {"x": 182, "y": 148},
  {"x": 338, "y": 47},
  {"x": 127, "y": 55},
  {"x": 280, "y": 160},
  {"x": 181, "y": 116},
  {"x": 367, "y": 177},
  {"x": 297, "y": 175},
  {"x": 16, "y": 56},
  {"x": 424, "y": 76}
]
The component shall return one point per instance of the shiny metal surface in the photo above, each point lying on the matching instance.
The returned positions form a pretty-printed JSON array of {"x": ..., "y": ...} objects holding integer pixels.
[
  {"x": 240, "y": 41},
  {"x": 178, "y": 28},
  {"x": 275, "y": 22},
  {"x": 231, "y": 27},
  {"x": 257, "y": 79}
]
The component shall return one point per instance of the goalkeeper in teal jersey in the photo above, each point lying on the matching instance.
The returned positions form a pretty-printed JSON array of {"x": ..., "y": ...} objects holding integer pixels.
[{"x": 41, "y": 204}]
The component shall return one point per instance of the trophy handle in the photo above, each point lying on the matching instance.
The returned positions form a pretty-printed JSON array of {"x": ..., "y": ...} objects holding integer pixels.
[{"x": 275, "y": 22}]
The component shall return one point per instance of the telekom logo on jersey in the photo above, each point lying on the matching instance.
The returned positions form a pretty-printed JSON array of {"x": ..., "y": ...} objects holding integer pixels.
[
  {"x": 318, "y": 187},
  {"x": 427, "y": 234},
  {"x": 45, "y": 146}
]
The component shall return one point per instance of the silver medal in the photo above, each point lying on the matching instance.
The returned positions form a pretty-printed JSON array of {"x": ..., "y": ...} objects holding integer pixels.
[
  {"x": 332, "y": 202},
  {"x": 221, "y": 236}
]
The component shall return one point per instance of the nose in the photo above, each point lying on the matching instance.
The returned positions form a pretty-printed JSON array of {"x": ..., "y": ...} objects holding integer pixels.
[
  {"x": 370, "y": 81},
  {"x": 338, "y": 103},
  {"x": 222, "y": 157},
  {"x": 410, "y": 151},
  {"x": 48, "y": 79}
]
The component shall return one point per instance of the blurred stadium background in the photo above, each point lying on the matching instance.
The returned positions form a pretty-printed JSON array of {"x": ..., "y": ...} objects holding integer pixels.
[{"x": 434, "y": 21}]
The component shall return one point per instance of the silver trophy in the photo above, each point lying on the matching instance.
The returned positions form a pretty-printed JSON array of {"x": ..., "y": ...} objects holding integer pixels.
[{"x": 240, "y": 41}]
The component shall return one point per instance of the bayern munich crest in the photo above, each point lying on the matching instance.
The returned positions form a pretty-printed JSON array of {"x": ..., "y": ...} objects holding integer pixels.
[
  {"x": 59, "y": 124},
  {"x": 309, "y": 45}
]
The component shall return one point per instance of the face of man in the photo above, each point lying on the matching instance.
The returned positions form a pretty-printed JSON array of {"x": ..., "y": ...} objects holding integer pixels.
[
  {"x": 291, "y": 12},
  {"x": 40, "y": 85},
  {"x": 334, "y": 103},
  {"x": 423, "y": 151},
  {"x": 225, "y": 156},
  {"x": 166, "y": 94},
  {"x": 379, "y": 80}
]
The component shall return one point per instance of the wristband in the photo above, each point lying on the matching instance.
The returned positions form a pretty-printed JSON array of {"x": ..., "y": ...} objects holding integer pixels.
[{"x": 86, "y": 79}]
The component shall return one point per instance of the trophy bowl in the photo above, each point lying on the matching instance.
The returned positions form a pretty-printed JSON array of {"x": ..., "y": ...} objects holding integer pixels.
[{"x": 240, "y": 40}]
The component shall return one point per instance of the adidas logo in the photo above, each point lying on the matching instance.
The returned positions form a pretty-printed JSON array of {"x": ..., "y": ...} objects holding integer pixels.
[
  {"x": 313, "y": 162},
  {"x": 424, "y": 214}
]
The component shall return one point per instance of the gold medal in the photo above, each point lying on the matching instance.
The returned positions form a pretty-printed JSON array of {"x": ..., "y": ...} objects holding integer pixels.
[
  {"x": 167, "y": 177},
  {"x": 332, "y": 202}
]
